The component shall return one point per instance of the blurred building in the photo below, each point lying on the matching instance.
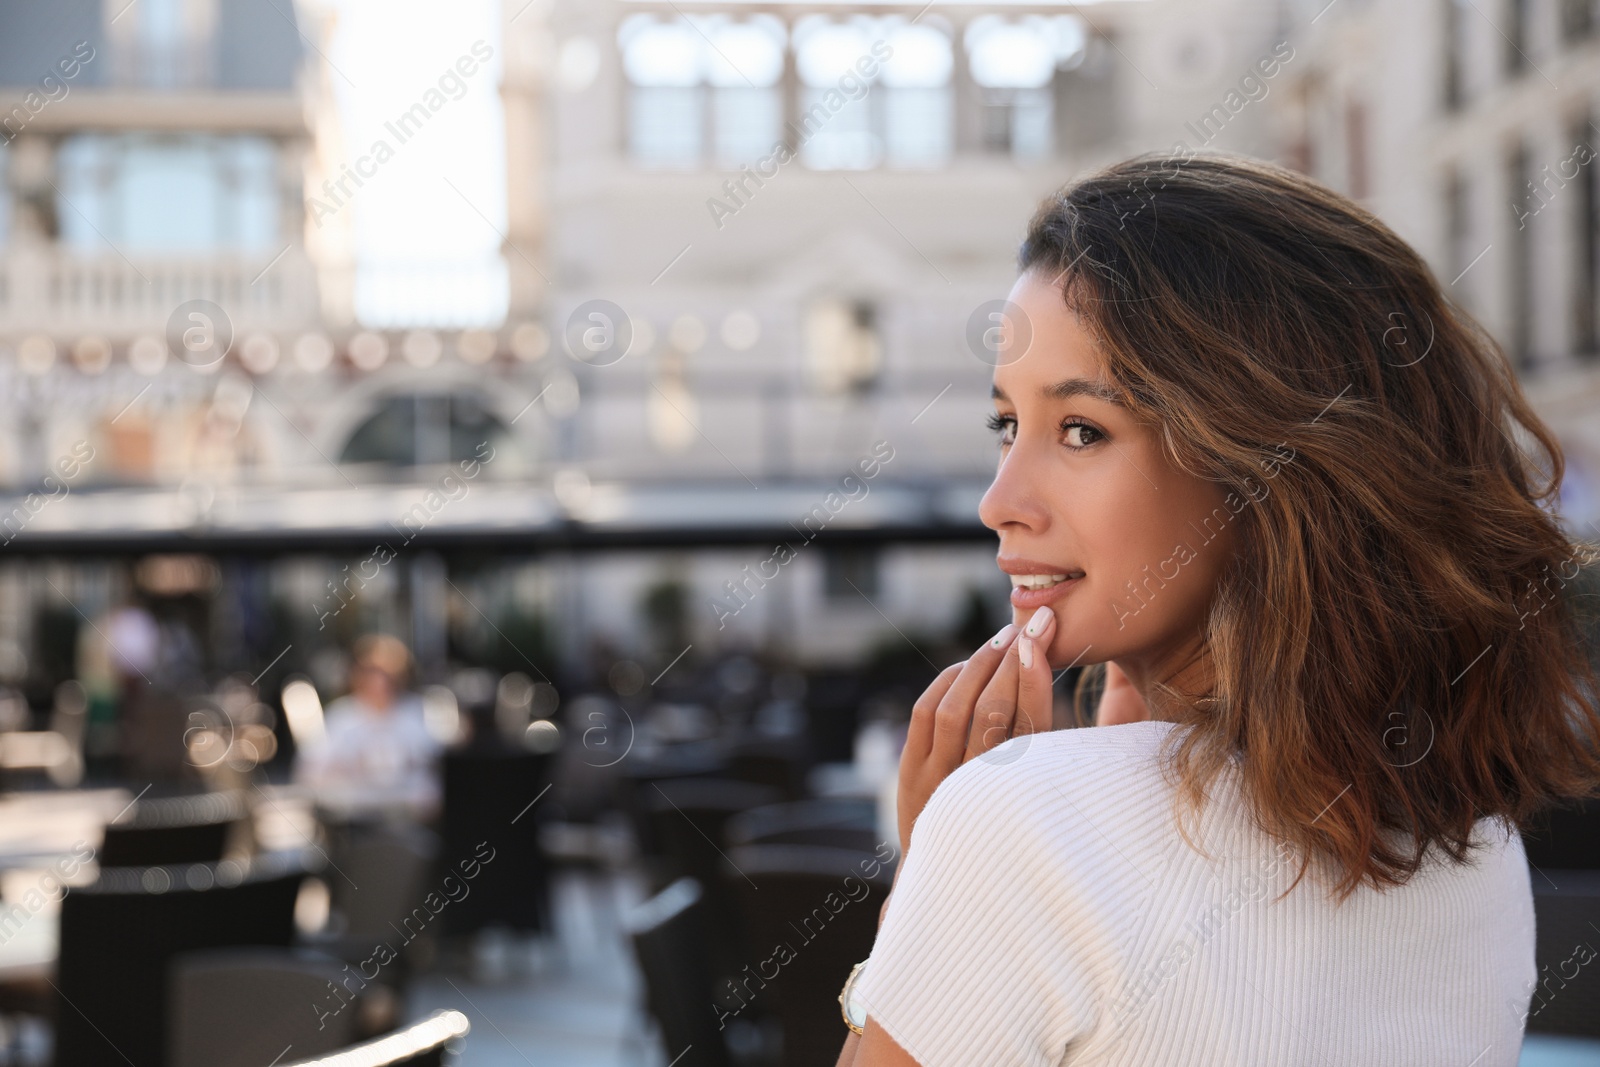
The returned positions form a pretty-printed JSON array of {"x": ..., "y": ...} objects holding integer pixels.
[
  {"x": 151, "y": 171},
  {"x": 764, "y": 237},
  {"x": 755, "y": 251},
  {"x": 1470, "y": 128},
  {"x": 152, "y": 156}
]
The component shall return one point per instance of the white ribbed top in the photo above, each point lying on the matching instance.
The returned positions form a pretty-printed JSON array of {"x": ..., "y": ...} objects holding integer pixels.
[{"x": 1049, "y": 913}]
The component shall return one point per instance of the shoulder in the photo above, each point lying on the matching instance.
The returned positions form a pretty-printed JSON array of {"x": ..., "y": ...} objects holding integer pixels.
[
  {"x": 1024, "y": 875},
  {"x": 1083, "y": 814},
  {"x": 1113, "y": 772}
]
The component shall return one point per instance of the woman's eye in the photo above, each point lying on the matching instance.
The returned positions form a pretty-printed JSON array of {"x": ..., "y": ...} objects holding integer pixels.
[
  {"x": 1081, "y": 435},
  {"x": 1005, "y": 426}
]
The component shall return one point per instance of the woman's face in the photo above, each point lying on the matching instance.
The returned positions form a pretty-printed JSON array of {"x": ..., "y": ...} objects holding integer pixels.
[
  {"x": 374, "y": 685},
  {"x": 1084, "y": 490}
]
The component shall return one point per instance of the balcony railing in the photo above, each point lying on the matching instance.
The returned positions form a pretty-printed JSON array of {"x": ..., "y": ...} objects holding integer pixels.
[{"x": 60, "y": 293}]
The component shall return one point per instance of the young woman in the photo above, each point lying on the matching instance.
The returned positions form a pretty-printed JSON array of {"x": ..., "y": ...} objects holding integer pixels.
[{"x": 1255, "y": 463}]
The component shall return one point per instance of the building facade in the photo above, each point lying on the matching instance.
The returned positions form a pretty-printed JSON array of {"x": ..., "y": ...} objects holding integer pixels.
[
  {"x": 1470, "y": 128},
  {"x": 773, "y": 235}
]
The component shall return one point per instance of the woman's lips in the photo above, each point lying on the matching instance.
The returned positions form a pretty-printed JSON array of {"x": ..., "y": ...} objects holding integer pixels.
[{"x": 1032, "y": 599}]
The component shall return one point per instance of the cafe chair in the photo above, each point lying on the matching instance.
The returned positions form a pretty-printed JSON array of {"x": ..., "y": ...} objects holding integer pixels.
[
  {"x": 379, "y": 884},
  {"x": 492, "y": 808},
  {"x": 1566, "y": 837},
  {"x": 834, "y": 822},
  {"x": 240, "y": 1007},
  {"x": 669, "y": 933},
  {"x": 1566, "y": 996},
  {"x": 781, "y": 763},
  {"x": 688, "y": 818},
  {"x": 167, "y": 830},
  {"x": 821, "y": 905},
  {"x": 120, "y": 933},
  {"x": 422, "y": 1044}
]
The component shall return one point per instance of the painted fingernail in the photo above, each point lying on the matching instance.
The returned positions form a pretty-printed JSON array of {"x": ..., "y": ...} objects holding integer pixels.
[
  {"x": 1040, "y": 619},
  {"x": 1025, "y": 652},
  {"x": 999, "y": 640}
]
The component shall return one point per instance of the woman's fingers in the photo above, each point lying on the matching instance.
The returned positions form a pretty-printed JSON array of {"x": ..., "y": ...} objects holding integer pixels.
[
  {"x": 1035, "y": 685},
  {"x": 919, "y": 735},
  {"x": 952, "y": 721},
  {"x": 1004, "y": 709},
  {"x": 937, "y": 736}
]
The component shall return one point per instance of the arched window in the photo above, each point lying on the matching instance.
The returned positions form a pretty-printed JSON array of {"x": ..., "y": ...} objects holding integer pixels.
[
  {"x": 703, "y": 85},
  {"x": 744, "y": 67},
  {"x": 916, "y": 103},
  {"x": 420, "y": 429},
  {"x": 837, "y": 126},
  {"x": 875, "y": 90},
  {"x": 1014, "y": 63}
]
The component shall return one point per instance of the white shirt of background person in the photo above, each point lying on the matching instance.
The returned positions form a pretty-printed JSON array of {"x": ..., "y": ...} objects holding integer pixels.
[{"x": 376, "y": 741}]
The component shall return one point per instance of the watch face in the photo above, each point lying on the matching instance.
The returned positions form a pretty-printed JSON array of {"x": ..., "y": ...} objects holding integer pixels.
[{"x": 853, "y": 1009}]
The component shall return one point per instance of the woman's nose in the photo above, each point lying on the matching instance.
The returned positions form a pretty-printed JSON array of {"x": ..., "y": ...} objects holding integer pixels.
[{"x": 1013, "y": 499}]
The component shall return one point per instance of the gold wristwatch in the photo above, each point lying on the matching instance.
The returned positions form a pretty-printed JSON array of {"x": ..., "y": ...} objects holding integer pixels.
[{"x": 855, "y": 1016}]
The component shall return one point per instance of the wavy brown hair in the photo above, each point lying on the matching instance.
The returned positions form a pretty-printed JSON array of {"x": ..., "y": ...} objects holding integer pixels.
[{"x": 1391, "y": 653}]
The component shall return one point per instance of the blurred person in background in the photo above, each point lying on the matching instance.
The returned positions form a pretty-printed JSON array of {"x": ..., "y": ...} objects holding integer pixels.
[{"x": 376, "y": 753}]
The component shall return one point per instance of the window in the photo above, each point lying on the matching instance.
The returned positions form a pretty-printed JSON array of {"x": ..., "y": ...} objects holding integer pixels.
[
  {"x": 836, "y": 127},
  {"x": 1087, "y": 101},
  {"x": 873, "y": 91},
  {"x": 1586, "y": 278},
  {"x": 842, "y": 344},
  {"x": 1454, "y": 39},
  {"x": 1577, "y": 20},
  {"x": 1516, "y": 34},
  {"x": 918, "y": 125},
  {"x": 1519, "y": 317},
  {"x": 745, "y": 67},
  {"x": 702, "y": 86},
  {"x": 1355, "y": 135},
  {"x": 164, "y": 44},
  {"x": 156, "y": 193},
  {"x": 5, "y": 204},
  {"x": 1014, "y": 64},
  {"x": 1458, "y": 230},
  {"x": 416, "y": 430},
  {"x": 850, "y": 572}
]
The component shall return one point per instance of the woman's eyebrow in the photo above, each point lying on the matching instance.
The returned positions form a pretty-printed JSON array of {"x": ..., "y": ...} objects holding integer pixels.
[{"x": 1068, "y": 388}]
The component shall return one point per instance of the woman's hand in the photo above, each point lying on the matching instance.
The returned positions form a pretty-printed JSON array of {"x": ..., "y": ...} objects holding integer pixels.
[
  {"x": 1001, "y": 691},
  {"x": 1120, "y": 702}
]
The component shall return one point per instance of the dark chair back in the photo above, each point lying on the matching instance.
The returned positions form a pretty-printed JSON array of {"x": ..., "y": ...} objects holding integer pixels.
[
  {"x": 119, "y": 934},
  {"x": 422, "y": 1044},
  {"x": 487, "y": 813},
  {"x": 168, "y": 830},
  {"x": 1566, "y": 837},
  {"x": 780, "y": 763},
  {"x": 833, "y": 822},
  {"x": 637, "y": 775},
  {"x": 1567, "y": 998},
  {"x": 383, "y": 872},
  {"x": 688, "y": 817},
  {"x": 241, "y": 1007},
  {"x": 669, "y": 937},
  {"x": 821, "y": 904}
]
